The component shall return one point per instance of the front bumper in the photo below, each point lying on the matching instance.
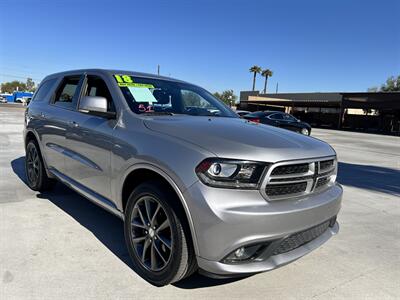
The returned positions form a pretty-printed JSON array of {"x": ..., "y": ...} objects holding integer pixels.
[{"x": 225, "y": 220}]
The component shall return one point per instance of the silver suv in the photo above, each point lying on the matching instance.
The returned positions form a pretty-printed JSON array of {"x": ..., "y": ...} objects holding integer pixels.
[{"x": 198, "y": 188}]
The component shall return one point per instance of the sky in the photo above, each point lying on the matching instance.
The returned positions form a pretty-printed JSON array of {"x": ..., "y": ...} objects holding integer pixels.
[{"x": 310, "y": 45}]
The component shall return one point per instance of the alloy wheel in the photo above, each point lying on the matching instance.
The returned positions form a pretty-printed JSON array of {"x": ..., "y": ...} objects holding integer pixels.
[
  {"x": 151, "y": 233},
  {"x": 33, "y": 165},
  {"x": 305, "y": 131}
]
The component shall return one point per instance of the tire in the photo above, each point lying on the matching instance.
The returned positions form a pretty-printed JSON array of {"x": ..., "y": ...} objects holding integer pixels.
[
  {"x": 169, "y": 255},
  {"x": 35, "y": 171},
  {"x": 305, "y": 131}
]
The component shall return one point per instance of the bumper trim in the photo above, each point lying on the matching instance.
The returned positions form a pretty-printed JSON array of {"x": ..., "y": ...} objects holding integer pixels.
[{"x": 219, "y": 269}]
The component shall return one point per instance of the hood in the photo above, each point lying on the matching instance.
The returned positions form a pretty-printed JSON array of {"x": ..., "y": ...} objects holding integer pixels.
[{"x": 240, "y": 139}]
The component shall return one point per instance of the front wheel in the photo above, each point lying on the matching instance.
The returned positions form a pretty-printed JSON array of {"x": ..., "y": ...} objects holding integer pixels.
[
  {"x": 155, "y": 236},
  {"x": 305, "y": 131}
]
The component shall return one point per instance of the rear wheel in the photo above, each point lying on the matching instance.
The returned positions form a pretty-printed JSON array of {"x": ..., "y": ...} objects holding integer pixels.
[
  {"x": 155, "y": 236},
  {"x": 36, "y": 176}
]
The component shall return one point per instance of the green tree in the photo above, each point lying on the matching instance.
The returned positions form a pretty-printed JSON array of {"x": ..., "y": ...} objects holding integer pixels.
[
  {"x": 30, "y": 85},
  {"x": 392, "y": 84},
  {"x": 10, "y": 87},
  {"x": 255, "y": 70},
  {"x": 266, "y": 73},
  {"x": 228, "y": 97}
]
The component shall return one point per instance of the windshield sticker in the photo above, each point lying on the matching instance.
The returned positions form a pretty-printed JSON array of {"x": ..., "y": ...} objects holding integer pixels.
[
  {"x": 127, "y": 81},
  {"x": 142, "y": 94}
]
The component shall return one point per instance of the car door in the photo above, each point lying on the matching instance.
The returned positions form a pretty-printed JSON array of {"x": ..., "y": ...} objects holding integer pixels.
[
  {"x": 291, "y": 123},
  {"x": 277, "y": 120},
  {"x": 55, "y": 120},
  {"x": 90, "y": 140}
]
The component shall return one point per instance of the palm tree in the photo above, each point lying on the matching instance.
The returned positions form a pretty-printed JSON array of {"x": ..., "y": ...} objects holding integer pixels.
[
  {"x": 266, "y": 73},
  {"x": 255, "y": 69}
]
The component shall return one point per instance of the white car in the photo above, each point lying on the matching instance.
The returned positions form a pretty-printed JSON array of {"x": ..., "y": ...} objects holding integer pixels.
[{"x": 24, "y": 100}]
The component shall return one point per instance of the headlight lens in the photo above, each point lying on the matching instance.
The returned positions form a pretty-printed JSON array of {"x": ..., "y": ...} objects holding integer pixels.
[{"x": 227, "y": 173}]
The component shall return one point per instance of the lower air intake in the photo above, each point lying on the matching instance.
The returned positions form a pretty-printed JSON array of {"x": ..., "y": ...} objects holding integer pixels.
[{"x": 299, "y": 239}]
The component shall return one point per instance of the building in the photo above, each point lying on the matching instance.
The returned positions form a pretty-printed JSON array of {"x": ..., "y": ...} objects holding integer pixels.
[{"x": 372, "y": 112}]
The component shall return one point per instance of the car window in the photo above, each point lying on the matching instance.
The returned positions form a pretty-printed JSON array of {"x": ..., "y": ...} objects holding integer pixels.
[
  {"x": 44, "y": 89},
  {"x": 258, "y": 114},
  {"x": 96, "y": 86},
  {"x": 160, "y": 97},
  {"x": 194, "y": 103},
  {"x": 68, "y": 92},
  {"x": 276, "y": 116},
  {"x": 288, "y": 117}
]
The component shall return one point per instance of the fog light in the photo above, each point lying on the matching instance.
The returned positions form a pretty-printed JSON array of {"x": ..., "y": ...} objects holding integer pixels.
[
  {"x": 239, "y": 253},
  {"x": 245, "y": 253}
]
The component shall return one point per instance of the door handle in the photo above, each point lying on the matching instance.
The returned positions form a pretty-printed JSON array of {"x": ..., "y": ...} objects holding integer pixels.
[
  {"x": 73, "y": 124},
  {"x": 42, "y": 115}
]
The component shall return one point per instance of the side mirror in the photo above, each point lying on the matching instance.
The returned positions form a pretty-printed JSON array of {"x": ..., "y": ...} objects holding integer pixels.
[{"x": 96, "y": 106}]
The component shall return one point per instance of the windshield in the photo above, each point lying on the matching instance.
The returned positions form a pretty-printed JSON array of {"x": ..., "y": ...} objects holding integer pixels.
[{"x": 158, "y": 97}]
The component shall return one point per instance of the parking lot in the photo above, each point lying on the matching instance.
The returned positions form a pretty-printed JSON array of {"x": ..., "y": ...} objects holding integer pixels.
[{"x": 60, "y": 246}]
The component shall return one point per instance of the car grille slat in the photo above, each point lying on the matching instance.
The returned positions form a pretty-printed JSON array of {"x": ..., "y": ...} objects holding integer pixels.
[
  {"x": 284, "y": 189},
  {"x": 290, "y": 169},
  {"x": 321, "y": 182},
  {"x": 326, "y": 165}
]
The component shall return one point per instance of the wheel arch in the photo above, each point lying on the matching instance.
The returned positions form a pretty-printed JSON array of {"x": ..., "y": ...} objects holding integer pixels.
[
  {"x": 32, "y": 135},
  {"x": 140, "y": 173}
]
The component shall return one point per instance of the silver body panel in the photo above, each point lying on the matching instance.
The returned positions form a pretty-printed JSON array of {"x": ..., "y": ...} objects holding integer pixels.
[{"x": 94, "y": 156}]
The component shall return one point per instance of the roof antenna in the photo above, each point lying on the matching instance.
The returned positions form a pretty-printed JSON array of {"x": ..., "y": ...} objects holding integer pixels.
[{"x": 158, "y": 70}]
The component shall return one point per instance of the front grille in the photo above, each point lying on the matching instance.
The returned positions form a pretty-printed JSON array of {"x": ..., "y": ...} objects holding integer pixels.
[
  {"x": 291, "y": 179},
  {"x": 299, "y": 239},
  {"x": 285, "y": 189},
  {"x": 290, "y": 169},
  {"x": 321, "y": 182},
  {"x": 326, "y": 165}
]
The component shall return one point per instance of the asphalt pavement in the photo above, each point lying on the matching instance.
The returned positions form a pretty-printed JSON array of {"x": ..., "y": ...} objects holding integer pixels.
[{"x": 58, "y": 245}]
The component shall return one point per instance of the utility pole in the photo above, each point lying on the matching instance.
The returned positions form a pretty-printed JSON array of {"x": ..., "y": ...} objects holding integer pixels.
[
  {"x": 158, "y": 70},
  {"x": 276, "y": 90}
]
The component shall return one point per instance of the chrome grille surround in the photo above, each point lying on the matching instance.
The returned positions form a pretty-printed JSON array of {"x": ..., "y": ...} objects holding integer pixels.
[{"x": 319, "y": 176}]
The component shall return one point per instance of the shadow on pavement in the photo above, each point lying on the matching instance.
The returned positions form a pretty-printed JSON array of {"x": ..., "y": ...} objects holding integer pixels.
[
  {"x": 380, "y": 179},
  {"x": 107, "y": 228}
]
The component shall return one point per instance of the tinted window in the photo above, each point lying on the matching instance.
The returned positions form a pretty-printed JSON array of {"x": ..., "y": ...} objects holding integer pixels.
[
  {"x": 276, "y": 116},
  {"x": 43, "y": 90},
  {"x": 97, "y": 87},
  {"x": 258, "y": 114},
  {"x": 288, "y": 117},
  {"x": 67, "y": 94}
]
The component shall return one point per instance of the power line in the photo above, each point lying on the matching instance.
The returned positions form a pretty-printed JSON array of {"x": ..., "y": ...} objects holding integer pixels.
[{"x": 22, "y": 77}]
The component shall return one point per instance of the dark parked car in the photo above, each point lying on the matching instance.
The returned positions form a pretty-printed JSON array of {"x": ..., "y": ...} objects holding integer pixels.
[
  {"x": 242, "y": 113},
  {"x": 279, "y": 119}
]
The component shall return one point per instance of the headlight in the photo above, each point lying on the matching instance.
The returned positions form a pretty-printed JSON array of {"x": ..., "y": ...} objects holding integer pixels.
[{"x": 227, "y": 173}]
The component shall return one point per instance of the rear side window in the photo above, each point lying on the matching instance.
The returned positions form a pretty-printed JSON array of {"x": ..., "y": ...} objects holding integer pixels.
[
  {"x": 276, "y": 117},
  {"x": 258, "y": 114},
  {"x": 68, "y": 92},
  {"x": 44, "y": 90}
]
